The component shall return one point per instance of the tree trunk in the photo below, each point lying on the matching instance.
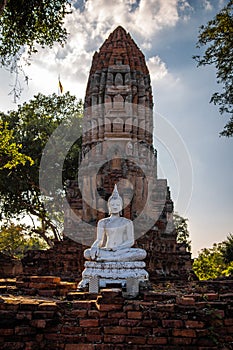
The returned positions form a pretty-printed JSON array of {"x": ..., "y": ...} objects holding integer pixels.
[{"x": 2, "y": 6}]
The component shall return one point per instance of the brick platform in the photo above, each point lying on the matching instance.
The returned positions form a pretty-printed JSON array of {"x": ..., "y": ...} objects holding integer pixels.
[{"x": 164, "y": 319}]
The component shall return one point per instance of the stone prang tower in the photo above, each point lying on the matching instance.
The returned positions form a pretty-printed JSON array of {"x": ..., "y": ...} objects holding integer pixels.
[{"x": 117, "y": 148}]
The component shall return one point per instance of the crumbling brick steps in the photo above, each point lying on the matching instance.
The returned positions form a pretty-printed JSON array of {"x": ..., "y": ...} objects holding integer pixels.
[
  {"x": 155, "y": 320},
  {"x": 47, "y": 286}
]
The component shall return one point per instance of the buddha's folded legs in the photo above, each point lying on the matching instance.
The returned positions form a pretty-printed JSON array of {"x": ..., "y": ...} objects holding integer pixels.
[{"x": 127, "y": 254}]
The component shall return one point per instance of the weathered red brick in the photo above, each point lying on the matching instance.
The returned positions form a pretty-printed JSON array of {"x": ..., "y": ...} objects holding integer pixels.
[
  {"x": 185, "y": 301},
  {"x": 94, "y": 338},
  {"x": 93, "y": 330},
  {"x": 117, "y": 330},
  {"x": 211, "y": 296},
  {"x": 78, "y": 313},
  {"x": 135, "y": 340},
  {"x": 109, "y": 307},
  {"x": 134, "y": 314},
  {"x": 230, "y": 330},
  {"x": 130, "y": 323},
  {"x": 95, "y": 313},
  {"x": 149, "y": 323},
  {"x": 38, "y": 323},
  {"x": 172, "y": 323},
  {"x": 6, "y": 331},
  {"x": 228, "y": 322},
  {"x": 109, "y": 322},
  {"x": 47, "y": 293},
  {"x": 24, "y": 330},
  {"x": 82, "y": 304},
  {"x": 24, "y": 315},
  {"x": 89, "y": 323},
  {"x": 43, "y": 314},
  {"x": 111, "y": 338},
  {"x": 189, "y": 333},
  {"x": 68, "y": 329},
  {"x": 194, "y": 324},
  {"x": 165, "y": 307},
  {"x": 141, "y": 330},
  {"x": 29, "y": 305},
  {"x": 79, "y": 347},
  {"x": 115, "y": 314},
  {"x": 47, "y": 306},
  {"x": 152, "y": 340},
  {"x": 182, "y": 341}
]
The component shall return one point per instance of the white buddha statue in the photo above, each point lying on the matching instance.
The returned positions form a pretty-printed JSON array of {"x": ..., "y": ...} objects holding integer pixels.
[{"x": 115, "y": 236}]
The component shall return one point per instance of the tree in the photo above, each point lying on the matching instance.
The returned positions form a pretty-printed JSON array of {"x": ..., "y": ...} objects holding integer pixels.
[
  {"x": 210, "y": 263},
  {"x": 15, "y": 240},
  {"x": 25, "y": 25},
  {"x": 10, "y": 155},
  {"x": 217, "y": 36},
  {"x": 227, "y": 249},
  {"x": 182, "y": 230},
  {"x": 32, "y": 125}
]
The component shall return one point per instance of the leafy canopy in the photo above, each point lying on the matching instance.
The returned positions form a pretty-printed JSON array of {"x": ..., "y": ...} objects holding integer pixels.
[
  {"x": 10, "y": 155},
  {"x": 216, "y": 261},
  {"x": 30, "y": 23},
  {"x": 31, "y": 126},
  {"x": 217, "y": 38},
  {"x": 181, "y": 226},
  {"x": 15, "y": 240},
  {"x": 26, "y": 25}
]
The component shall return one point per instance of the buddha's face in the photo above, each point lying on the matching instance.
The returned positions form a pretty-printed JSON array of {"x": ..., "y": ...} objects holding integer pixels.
[{"x": 115, "y": 206}]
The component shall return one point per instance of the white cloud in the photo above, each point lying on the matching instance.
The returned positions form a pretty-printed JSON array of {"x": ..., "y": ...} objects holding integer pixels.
[
  {"x": 157, "y": 68},
  {"x": 88, "y": 28},
  {"x": 207, "y": 5}
]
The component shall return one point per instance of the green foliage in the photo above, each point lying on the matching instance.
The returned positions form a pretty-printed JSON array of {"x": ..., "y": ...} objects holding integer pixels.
[
  {"x": 211, "y": 263},
  {"x": 30, "y": 23},
  {"x": 32, "y": 125},
  {"x": 217, "y": 36},
  {"x": 182, "y": 230},
  {"x": 24, "y": 27},
  {"x": 10, "y": 155},
  {"x": 227, "y": 249},
  {"x": 15, "y": 240}
]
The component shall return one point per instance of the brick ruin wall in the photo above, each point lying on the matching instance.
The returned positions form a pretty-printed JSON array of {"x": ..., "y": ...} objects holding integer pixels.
[{"x": 165, "y": 319}]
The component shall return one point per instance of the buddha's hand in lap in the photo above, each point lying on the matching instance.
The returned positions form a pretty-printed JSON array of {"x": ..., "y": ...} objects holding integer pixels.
[
  {"x": 94, "y": 253},
  {"x": 109, "y": 249}
]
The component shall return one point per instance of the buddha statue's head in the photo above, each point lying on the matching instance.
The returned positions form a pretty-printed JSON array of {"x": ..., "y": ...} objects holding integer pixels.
[{"x": 115, "y": 203}]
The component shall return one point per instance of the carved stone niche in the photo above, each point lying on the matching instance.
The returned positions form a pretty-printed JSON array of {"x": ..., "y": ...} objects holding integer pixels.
[
  {"x": 119, "y": 79},
  {"x": 118, "y": 125},
  {"x": 118, "y": 101}
]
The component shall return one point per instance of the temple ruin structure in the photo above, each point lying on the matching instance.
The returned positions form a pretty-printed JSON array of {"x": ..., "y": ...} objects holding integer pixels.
[{"x": 118, "y": 144}]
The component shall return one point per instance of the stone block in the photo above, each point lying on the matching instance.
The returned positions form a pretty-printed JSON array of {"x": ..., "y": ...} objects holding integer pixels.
[
  {"x": 94, "y": 338},
  {"x": 153, "y": 340},
  {"x": 112, "y": 338},
  {"x": 38, "y": 323},
  {"x": 79, "y": 347},
  {"x": 135, "y": 340},
  {"x": 135, "y": 314},
  {"x": 128, "y": 323},
  {"x": 89, "y": 323},
  {"x": 48, "y": 306},
  {"x": 132, "y": 286},
  {"x": 94, "y": 284},
  {"x": 109, "y": 307},
  {"x": 172, "y": 323},
  {"x": 117, "y": 330},
  {"x": 186, "y": 333},
  {"x": 194, "y": 324}
]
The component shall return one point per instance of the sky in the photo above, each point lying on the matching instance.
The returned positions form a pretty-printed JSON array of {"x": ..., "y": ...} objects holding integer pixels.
[{"x": 191, "y": 155}]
